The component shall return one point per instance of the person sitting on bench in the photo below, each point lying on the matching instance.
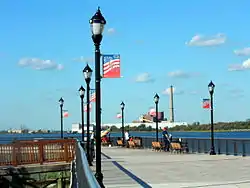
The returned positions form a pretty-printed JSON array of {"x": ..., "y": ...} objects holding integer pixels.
[{"x": 166, "y": 140}]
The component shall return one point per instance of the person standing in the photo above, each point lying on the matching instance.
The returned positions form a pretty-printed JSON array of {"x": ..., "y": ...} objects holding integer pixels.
[
  {"x": 166, "y": 139},
  {"x": 127, "y": 136}
]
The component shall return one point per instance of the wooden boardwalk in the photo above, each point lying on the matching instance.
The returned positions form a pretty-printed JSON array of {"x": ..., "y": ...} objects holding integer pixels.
[{"x": 146, "y": 168}]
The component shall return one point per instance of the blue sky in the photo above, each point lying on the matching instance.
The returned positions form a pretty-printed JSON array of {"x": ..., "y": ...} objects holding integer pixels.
[{"x": 44, "y": 46}]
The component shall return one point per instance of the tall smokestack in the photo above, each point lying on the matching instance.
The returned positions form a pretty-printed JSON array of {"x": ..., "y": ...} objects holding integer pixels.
[{"x": 171, "y": 104}]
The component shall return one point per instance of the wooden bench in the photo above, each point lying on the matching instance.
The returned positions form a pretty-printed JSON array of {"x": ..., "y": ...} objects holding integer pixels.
[
  {"x": 131, "y": 144},
  {"x": 176, "y": 147},
  {"x": 105, "y": 143},
  {"x": 119, "y": 143},
  {"x": 157, "y": 146},
  {"x": 138, "y": 143}
]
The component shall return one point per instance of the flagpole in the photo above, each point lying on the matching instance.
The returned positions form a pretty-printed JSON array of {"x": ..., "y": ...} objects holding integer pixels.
[
  {"x": 90, "y": 116},
  {"x": 93, "y": 106}
]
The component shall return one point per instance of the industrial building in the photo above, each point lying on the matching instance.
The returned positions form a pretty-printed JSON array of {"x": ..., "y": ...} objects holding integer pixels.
[{"x": 146, "y": 119}]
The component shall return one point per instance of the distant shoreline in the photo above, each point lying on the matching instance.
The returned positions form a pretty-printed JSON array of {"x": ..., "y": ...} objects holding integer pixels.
[
  {"x": 235, "y": 130},
  {"x": 118, "y": 131}
]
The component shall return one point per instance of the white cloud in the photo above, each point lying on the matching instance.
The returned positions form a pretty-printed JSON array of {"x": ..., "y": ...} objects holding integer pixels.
[
  {"x": 181, "y": 74},
  {"x": 167, "y": 91},
  {"x": 144, "y": 77},
  {"x": 243, "y": 52},
  {"x": 224, "y": 84},
  {"x": 194, "y": 92},
  {"x": 236, "y": 92},
  {"x": 177, "y": 92},
  {"x": 240, "y": 67},
  {"x": 111, "y": 31},
  {"x": 200, "y": 40},
  {"x": 84, "y": 59},
  {"x": 39, "y": 64}
]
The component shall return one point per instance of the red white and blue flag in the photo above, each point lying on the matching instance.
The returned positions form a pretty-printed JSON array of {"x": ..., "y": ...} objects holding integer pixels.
[
  {"x": 152, "y": 112},
  {"x": 86, "y": 108},
  {"x": 92, "y": 96},
  {"x": 111, "y": 66},
  {"x": 206, "y": 103},
  {"x": 65, "y": 113},
  {"x": 118, "y": 115}
]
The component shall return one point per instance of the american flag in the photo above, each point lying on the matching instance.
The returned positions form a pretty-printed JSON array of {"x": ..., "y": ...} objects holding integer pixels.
[
  {"x": 152, "y": 112},
  {"x": 65, "y": 113},
  {"x": 111, "y": 66},
  {"x": 118, "y": 115},
  {"x": 206, "y": 103},
  {"x": 86, "y": 109},
  {"x": 92, "y": 96}
]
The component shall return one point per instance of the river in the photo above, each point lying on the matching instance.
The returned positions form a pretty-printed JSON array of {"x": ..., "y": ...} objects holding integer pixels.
[{"x": 7, "y": 138}]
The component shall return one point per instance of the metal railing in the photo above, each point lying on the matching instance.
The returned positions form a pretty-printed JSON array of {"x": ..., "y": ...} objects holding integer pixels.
[
  {"x": 46, "y": 151},
  {"x": 81, "y": 174},
  {"x": 227, "y": 146},
  {"x": 40, "y": 151}
]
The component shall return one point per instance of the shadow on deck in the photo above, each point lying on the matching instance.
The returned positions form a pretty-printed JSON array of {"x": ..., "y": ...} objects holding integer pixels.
[{"x": 146, "y": 168}]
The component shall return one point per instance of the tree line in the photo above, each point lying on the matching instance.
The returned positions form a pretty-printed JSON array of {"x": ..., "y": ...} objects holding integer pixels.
[{"x": 196, "y": 126}]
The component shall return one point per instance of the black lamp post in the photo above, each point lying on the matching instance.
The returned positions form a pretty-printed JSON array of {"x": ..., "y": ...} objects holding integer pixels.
[
  {"x": 87, "y": 72},
  {"x": 156, "y": 99},
  {"x": 61, "y": 101},
  {"x": 123, "y": 134},
  {"x": 82, "y": 92},
  {"x": 97, "y": 23},
  {"x": 211, "y": 87}
]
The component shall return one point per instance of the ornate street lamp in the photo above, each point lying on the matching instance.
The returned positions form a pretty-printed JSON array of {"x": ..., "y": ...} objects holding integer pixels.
[
  {"x": 97, "y": 23},
  {"x": 61, "y": 102},
  {"x": 87, "y": 72},
  {"x": 123, "y": 134},
  {"x": 81, "y": 93},
  {"x": 156, "y": 99},
  {"x": 211, "y": 87}
]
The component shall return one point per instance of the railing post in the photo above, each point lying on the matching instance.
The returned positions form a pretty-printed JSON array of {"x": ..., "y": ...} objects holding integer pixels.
[
  {"x": 186, "y": 147},
  {"x": 226, "y": 147},
  {"x": 66, "y": 152},
  {"x": 41, "y": 152},
  {"x": 218, "y": 141},
  {"x": 198, "y": 146},
  {"x": 243, "y": 149},
  {"x": 235, "y": 148},
  {"x": 205, "y": 145},
  {"x": 14, "y": 155},
  {"x": 192, "y": 145}
]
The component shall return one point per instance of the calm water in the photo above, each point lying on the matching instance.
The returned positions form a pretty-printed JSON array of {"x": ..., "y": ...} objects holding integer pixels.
[{"x": 7, "y": 138}]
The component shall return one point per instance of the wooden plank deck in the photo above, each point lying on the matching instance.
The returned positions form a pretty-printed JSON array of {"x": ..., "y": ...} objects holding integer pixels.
[
  {"x": 114, "y": 177},
  {"x": 145, "y": 168}
]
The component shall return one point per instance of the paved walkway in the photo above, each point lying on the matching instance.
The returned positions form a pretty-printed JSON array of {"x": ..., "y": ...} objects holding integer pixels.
[
  {"x": 145, "y": 168},
  {"x": 113, "y": 176}
]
